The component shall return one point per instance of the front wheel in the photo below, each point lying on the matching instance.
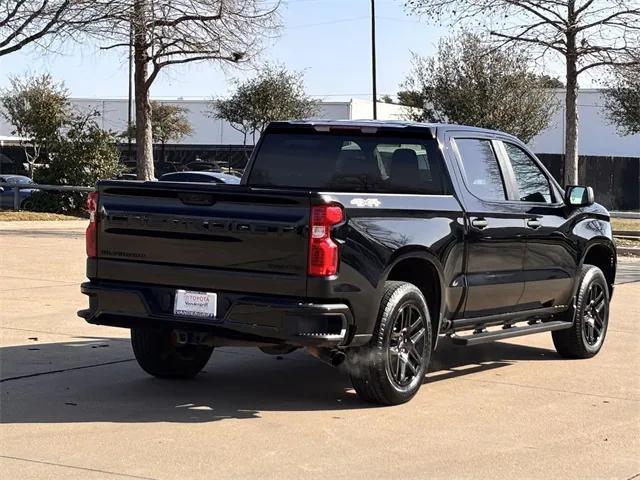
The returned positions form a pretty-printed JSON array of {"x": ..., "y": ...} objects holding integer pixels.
[
  {"x": 391, "y": 369},
  {"x": 586, "y": 337},
  {"x": 159, "y": 355}
]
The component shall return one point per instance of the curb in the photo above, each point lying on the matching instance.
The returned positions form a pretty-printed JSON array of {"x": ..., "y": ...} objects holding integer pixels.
[
  {"x": 630, "y": 214},
  {"x": 628, "y": 251},
  {"x": 626, "y": 233}
]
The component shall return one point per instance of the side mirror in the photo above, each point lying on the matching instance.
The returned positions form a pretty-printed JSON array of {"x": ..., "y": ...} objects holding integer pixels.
[{"x": 578, "y": 195}]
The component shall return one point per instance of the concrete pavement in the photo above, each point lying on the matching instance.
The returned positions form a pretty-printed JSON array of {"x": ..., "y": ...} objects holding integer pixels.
[
  {"x": 74, "y": 403},
  {"x": 628, "y": 270}
]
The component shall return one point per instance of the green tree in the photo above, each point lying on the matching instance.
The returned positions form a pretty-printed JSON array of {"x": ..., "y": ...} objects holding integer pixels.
[
  {"x": 410, "y": 98},
  {"x": 274, "y": 94},
  {"x": 37, "y": 108},
  {"x": 70, "y": 147},
  {"x": 236, "y": 110},
  {"x": 622, "y": 100},
  {"x": 169, "y": 123},
  {"x": 551, "y": 82},
  {"x": 81, "y": 155},
  {"x": 470, "y": 82}
]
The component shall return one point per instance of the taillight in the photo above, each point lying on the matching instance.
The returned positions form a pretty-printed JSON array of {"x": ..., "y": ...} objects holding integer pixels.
[
  {"x": 323, "y": 251},
  {"x": 91, "y": 235}
]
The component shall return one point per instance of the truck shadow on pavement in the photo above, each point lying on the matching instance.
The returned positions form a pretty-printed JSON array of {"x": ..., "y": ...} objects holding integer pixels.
[{"x": 97, "y": 380}]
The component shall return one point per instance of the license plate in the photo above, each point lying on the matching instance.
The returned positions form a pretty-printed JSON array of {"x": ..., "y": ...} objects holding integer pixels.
[{"x": 195, "y": 304}]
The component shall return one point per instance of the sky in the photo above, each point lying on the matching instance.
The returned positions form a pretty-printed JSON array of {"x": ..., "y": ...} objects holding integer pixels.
[{"x": 328, "y": 40}]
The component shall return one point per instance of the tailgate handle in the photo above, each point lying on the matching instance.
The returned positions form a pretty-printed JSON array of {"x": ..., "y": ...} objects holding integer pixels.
[{"x": 196, "y": 198}]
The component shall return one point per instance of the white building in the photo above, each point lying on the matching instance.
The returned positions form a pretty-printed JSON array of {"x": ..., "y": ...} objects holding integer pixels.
[
  {"x": 598, "y": 137},
  {"x": 213, "y": 131}
]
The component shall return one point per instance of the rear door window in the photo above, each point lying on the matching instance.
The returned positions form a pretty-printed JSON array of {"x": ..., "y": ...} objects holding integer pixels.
[
  {"x": 349, "y": 163},
  {"x": 482, "y": 173}
]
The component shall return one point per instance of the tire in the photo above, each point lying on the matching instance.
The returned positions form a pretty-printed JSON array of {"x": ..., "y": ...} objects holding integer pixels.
[
  {"x": 158, "y": 355},
  {"x": 391, "y": 368},
  {"x": 586, "y": 337}
]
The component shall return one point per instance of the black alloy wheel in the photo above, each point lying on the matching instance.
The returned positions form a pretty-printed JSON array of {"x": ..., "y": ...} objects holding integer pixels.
[
  {"x": 407, "y": 344},
  {"x": 590, "y": 317},
  {"x": 391, "y": 368},
  {"x": 595, "y": 314}
]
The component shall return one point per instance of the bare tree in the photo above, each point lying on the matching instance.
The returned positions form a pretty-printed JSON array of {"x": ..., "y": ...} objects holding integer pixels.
[
  {"x": 23, "y": 22},
  {"x": 585, "y": 34},
  {"x": 165, "y": 33}
]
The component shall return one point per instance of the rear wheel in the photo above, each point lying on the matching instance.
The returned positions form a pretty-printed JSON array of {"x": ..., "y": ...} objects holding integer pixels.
[
  {"x": 391, "y": 369},
  {"x": 159, "y": 355},
  {"x": 586, "y": 337}
]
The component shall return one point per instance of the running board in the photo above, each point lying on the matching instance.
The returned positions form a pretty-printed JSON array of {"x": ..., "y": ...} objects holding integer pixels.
[{"x": 486, "y": 337}]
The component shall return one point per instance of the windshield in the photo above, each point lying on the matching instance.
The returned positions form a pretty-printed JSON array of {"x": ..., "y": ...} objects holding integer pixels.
[{"x": 353, "y": 162}]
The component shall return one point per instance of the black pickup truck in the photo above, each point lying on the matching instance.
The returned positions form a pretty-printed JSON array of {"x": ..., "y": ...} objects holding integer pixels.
[{"x": 363, "y": 242}]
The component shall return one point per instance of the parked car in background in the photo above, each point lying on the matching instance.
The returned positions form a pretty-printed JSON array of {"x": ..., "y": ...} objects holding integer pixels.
[
  {"x": 203, "y": 177},
  {"x": 7, "y": 190}
]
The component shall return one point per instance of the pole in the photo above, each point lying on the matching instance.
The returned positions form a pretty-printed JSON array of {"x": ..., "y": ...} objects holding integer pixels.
[
  {"x": 373, "y": 59},
  {"x": 129, "y": 109},
  {"x": 16, "y": 198}
]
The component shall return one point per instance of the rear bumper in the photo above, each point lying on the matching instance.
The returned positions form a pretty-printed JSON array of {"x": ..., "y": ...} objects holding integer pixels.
[{"x": 241, "y": 317}]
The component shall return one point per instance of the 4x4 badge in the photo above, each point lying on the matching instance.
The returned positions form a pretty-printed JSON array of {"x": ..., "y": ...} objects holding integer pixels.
[{"x": 366, "y": 202}]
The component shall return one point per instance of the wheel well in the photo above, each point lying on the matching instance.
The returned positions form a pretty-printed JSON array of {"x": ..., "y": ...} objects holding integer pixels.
[
  {"x": 602, "y": 257},
  {"x": 422, "y": 274}
]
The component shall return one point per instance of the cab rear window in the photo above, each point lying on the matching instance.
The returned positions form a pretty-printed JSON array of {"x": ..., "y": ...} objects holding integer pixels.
[{"x": 349, "y": 163}]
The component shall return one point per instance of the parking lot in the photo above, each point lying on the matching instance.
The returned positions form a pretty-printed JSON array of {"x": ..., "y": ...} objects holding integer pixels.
[{"x": 74, "y": 403}]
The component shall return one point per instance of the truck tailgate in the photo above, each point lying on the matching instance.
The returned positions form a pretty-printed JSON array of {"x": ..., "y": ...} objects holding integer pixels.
[{"x": 201, "y": 229}]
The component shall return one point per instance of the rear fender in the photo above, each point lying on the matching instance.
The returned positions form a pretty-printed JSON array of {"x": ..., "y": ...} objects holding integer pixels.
[{"x": 421, "y": 254}]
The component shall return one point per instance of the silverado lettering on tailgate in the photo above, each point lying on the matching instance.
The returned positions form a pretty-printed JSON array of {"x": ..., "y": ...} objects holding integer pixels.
[{"x": 164, "y": 223}]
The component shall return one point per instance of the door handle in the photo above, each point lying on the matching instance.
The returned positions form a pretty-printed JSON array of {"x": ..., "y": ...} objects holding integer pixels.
[
  {"x": 533, "y": 223},
  {"x": 479, "y": 223}
]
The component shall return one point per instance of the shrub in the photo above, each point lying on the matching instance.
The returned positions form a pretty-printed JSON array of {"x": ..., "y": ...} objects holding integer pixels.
[{"x": 82, "y": 156}]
